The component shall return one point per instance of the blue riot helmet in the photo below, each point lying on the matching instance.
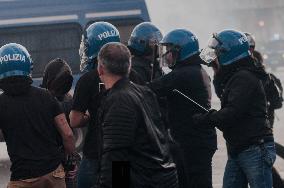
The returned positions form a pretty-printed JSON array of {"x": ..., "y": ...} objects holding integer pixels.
[
  {"x": 228, "y": 46},
  {"x": 143, "y": 38},
  {"x": 15, "y": 60},
  {"x": 93, "y": 38},
  {"x": 177, "y": 46}
]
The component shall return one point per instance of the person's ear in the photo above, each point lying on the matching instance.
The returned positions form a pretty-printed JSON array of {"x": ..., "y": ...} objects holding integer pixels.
[
  {"x": 100, "y": 69},
  {"x": 130, "y": 66}
]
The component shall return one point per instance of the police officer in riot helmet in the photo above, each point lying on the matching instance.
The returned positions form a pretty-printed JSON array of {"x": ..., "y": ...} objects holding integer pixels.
[
  {"x": 179, "y": 50},
  {"x": 87, "y": 97},
  {"x": 143, "y": 44},
  {"x": 31, "y": 119},
  {"x": 273, "y": 90},
  {"x": 242, "y": 117}
]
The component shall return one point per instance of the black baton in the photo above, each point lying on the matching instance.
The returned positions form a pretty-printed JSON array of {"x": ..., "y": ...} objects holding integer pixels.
[{"x": 190, "y": 99}]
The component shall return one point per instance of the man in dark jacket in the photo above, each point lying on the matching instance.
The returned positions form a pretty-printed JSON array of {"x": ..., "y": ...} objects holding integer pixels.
[
  {"x": 143, "y": 44},
  {"x": 196, "y": 145},
  {"x": 31, "y": 120},
  {"x": 243, "y": 114},
  {"x": 131, "y": 126}
]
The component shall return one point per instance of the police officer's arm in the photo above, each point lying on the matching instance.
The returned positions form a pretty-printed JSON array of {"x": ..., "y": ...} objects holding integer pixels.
[
  {"x": 81, "y": 99},
  {"x": 240, "y": 97},
  {"x": 164, "y": 85},
  {"x": 119, "y": 127},
  {"x": 61, "y": 124},
  {"x": 65, "y": 132},
  {"x": 78, "y": 119}
]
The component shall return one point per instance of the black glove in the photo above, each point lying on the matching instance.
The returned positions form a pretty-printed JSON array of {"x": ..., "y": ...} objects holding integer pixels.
[
  {"x": 203, "y": 120},
  {"x": 71, "y": 161}
]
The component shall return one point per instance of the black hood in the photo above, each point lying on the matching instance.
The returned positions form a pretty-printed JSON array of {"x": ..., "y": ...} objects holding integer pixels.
[
  {"x": 226, "y": 72},
  {"x": 16, "y": 85},
  {"x": 57, "y": 77}
]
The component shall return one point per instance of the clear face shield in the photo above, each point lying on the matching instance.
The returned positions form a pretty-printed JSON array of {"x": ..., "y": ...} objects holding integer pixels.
[
  {"x": 209, "y": 54},
  {"x": 83, "y": 53},
  {"x": 166, "y": 57}
]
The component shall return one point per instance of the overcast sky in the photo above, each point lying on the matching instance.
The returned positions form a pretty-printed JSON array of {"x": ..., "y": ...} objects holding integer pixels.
[{"x": 193, "y": 15}]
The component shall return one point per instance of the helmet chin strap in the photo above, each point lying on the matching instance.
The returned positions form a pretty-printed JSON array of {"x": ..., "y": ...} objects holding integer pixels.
[
  {"x": 176, "y": 54},
  {"x": 173, "y": 64}
]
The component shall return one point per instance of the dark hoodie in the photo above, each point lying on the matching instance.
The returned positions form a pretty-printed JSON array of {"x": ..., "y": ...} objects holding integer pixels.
[
  {"x": 243, "y": 114},
  {"x": 226, "y": 72},
  {"x": 58, "y": 79}
]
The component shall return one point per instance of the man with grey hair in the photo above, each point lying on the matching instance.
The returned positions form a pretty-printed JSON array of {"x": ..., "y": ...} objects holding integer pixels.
[{"x": 131, "y": 127}]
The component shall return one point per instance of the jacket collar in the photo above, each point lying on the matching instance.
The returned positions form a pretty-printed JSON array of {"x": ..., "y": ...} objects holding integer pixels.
[
  {"x": 191, "y": 61},
  {"x": 119, "y": 84}
]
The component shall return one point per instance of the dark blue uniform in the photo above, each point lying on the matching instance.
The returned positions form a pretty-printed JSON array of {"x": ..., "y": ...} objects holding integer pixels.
[{"x": 196, "y": 145}]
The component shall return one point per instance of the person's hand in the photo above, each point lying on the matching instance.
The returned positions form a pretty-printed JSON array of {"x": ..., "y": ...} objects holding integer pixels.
[
  {"x": 203, "y": 120},
  {"x": 72, "y": 173}
]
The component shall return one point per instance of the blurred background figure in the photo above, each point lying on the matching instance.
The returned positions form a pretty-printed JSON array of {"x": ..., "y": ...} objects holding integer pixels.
[{"x": 274, "y": 95}]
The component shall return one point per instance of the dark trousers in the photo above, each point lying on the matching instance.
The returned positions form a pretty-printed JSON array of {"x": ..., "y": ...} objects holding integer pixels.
[{"x": 194, "y": 166}]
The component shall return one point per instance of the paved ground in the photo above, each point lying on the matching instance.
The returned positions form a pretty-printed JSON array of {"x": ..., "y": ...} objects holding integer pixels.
[{"x": 218, "y": 160}]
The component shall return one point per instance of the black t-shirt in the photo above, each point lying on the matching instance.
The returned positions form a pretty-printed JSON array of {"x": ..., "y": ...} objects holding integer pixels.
[
  {"x": 87, "y": 97},
  {"x": 27, "y": 122}
]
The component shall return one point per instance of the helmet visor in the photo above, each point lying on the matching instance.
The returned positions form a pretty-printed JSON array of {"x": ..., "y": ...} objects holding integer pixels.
[
  {"x": 83, "y": 54},
  {"x": 165, "y": 55},
  {"x": 209, "y": 53}
]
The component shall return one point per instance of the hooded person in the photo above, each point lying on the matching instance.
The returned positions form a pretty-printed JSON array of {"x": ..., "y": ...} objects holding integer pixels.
[
  {"x": 243, "y": 114},
  {"x": 274, "y": 95},
  {"x": 58, "y": 79}
]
